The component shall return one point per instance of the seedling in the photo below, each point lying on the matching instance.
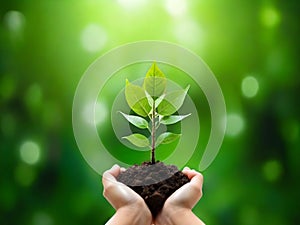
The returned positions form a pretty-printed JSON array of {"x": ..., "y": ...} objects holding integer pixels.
[{"x": 153, "y": 106}]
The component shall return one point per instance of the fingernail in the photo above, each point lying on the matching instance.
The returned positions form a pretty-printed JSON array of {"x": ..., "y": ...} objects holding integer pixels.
[{"x": 115, "y": 166}]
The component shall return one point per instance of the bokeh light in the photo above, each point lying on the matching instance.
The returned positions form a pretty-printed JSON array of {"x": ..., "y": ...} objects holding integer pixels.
[
  {"x": 176, "y": 7},
  {"x": 33, "y": 96},
  {"x": 42, "y": 218},
  {"x": 270, "y": 17},
  {"x": 30, "y": 152},
  {"x": 14, "y": 20},
  {"x": 251, "y": 213},
  {"x": 272, "y": 170},
  {"x": 185, "y": 27},
  {"x": 93, "y": 38},
  {"x": 250, "y": 86},
  {"x": 235, "y": 124}
]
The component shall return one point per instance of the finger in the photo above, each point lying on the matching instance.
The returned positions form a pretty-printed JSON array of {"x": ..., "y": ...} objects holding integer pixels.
[
  {"x": 115, "y": 170},
  {"x": 110, "y": 175},
  {"x": 186, "y": 168},
  {"x": 194, "y": 187},
  {"x": 111, "y": 190},
  {"x": 196, "y": 178},
  {"x": 186, "y": 196},
  {"x": 191, "y": 173}
]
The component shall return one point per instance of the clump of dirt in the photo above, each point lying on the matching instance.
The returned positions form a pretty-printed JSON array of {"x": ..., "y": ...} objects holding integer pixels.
[{"x": 154, "y": 182}]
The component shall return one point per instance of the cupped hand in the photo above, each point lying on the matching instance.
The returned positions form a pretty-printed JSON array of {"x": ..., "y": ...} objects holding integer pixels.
[
  {"x": 182, "y": 200},
  {"x": 118, "y": 194},
  {"x": 123, "y": 199},
  {"x": 131, "y": 208},
  {"x": 189, "y": 194}
]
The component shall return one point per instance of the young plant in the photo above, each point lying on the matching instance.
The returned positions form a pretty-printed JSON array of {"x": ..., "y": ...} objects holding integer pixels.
[{"x": 151, "y": 103}]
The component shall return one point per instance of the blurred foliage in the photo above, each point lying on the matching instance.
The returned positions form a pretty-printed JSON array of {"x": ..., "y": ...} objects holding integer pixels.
[{"x": 252, "y": 47}]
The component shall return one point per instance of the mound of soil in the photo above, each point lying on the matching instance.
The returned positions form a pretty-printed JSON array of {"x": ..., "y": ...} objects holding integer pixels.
[{"x": 154, "y": 182}]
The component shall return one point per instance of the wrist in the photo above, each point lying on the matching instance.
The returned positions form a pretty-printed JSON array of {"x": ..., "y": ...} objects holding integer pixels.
[
  {"x": 169, "y": 216},
  {"x": 134, "y": 214},
  {"x": 178, "y": 216}
]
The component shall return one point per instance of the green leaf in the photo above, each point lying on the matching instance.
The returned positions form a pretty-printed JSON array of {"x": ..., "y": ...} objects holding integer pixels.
[
  {"x": 173, "y": 119},
  {"x": 166, "y": 138},
  {"x": 155, "y": 81},
  {"x": 149, "y": 98},
  {"x": 136, "y": 120},
  {"x": 172, "y": 102},
  {"x": 159, "y": 100},
  {"x": 136, "y": 99},
  {"x": 138, "y": 140}
]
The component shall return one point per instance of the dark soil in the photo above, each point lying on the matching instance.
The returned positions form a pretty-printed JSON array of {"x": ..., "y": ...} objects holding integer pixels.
[{"x": 154, "y": 182}]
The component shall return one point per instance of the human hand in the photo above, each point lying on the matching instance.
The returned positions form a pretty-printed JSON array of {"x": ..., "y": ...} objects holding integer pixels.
[
  {"x": 130, "y": 207},
  {"x": 178, "y": 207}
]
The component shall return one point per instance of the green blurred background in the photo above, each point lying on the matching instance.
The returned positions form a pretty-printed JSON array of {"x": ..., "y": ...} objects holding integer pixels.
[{"x": 252, "y": 47}]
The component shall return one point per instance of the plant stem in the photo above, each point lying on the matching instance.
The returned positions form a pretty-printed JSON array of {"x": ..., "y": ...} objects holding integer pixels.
[{"x": 153, "y": 134}]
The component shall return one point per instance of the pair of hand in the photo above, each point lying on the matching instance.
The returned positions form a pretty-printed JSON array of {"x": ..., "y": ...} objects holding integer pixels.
[{"x": 131, "y": 208}]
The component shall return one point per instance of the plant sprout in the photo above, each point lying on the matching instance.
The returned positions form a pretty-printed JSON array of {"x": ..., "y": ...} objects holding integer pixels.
[{"x": 151, "y": 101}]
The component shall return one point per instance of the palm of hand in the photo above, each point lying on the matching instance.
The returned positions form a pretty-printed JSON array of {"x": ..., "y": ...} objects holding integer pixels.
[
  {"x": 185, "y": 198},
  {"x": 181, "y": 201},
  {"x": 118, "y": 194}
]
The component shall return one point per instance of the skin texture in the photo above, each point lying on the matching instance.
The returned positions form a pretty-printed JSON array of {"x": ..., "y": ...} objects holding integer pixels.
[
  {"x": 177, "y": 209},
  {"x": 131, "y": 208}
]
